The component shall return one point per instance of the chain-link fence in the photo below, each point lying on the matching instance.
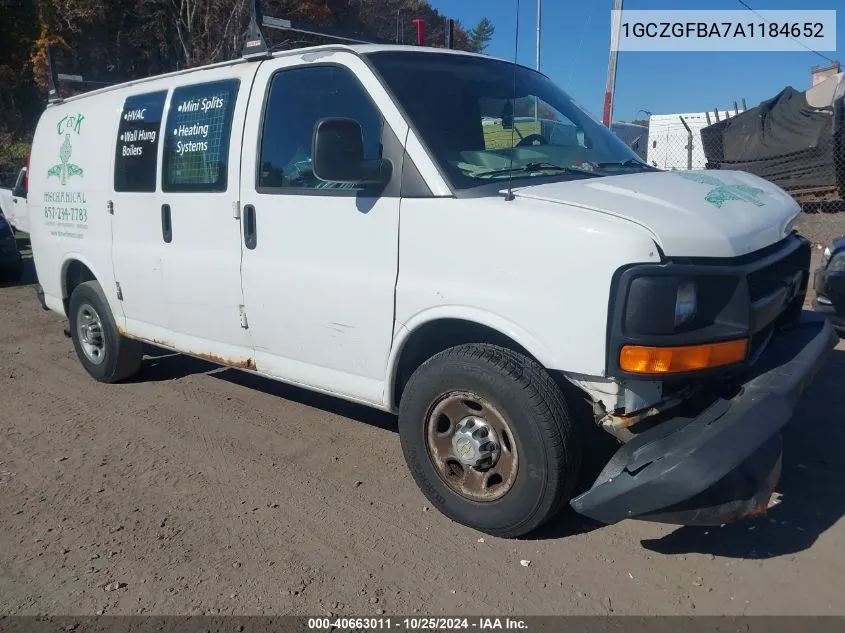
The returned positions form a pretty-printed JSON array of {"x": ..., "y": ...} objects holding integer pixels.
[{"x": 795, "y": 140}]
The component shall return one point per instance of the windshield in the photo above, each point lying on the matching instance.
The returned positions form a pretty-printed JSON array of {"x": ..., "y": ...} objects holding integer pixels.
[{"x": 479, "y": 128}]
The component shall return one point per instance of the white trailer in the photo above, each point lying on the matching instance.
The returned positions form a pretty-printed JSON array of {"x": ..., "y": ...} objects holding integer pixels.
[{"x": 668, "y": 139}]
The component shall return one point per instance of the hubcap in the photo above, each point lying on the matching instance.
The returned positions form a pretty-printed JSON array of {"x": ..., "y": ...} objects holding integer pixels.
[
  {"x": 475, "y": 443},
  {"x": 89, "y": 328},
  {"x": 471, "y": 446}
]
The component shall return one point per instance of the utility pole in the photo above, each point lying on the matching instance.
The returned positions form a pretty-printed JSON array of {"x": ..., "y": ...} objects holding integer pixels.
[
  {"x": 420, "y": 30},
  {"x": 611, "y": 65},
  {"x": 539, "y": 18}
]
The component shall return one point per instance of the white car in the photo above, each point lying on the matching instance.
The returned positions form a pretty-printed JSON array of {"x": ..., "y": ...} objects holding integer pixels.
[
  {"x": 340, "y": 218},
  {"x": 11, "y": 262},
  {"x": 13, "y": 203}
]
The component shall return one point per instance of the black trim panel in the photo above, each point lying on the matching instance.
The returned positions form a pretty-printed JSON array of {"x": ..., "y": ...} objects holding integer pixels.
[{"x": 413, "y": 184}]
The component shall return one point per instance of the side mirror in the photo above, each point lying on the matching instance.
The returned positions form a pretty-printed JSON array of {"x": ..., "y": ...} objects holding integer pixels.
[{"x": 337, "y": 154}]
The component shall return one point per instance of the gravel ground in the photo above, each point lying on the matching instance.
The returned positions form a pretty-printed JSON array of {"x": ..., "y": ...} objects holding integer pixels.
[{"x": 194, "y": 489}]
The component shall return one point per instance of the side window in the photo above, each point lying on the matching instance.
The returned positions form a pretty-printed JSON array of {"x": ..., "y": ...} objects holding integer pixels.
[
  {"x": 297, "y": 99},
  {"x": 199, "y": 127},
  {"x": 136, "y": 152}
]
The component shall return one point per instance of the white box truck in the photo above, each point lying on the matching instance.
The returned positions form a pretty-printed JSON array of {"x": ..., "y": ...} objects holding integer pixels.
[{"x": 668, "y": 139}]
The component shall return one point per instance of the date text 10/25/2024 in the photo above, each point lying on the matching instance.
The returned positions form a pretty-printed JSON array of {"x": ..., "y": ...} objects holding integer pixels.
[{"x": 417, "y": 624}]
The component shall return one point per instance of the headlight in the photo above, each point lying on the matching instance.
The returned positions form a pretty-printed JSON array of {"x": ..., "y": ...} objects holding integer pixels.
[
  {"x": 837, "y": 263},
  {"x": 826, "y": 255},
  {"x": 660, "y": 304},
  {"x": 686, "y": 303}
]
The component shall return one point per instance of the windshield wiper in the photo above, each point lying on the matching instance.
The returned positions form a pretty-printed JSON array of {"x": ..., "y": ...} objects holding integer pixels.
[
  {"x": 535, "y": 167},
  {"x": 628, "y": 162}
]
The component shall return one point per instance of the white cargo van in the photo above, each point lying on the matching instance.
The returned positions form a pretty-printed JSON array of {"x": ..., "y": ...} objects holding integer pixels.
[{"x": 369, "y": 222}]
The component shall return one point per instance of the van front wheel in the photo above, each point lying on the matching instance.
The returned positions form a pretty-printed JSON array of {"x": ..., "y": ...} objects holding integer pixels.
[
  {"x": 488, "y": 439},
  {"x": 106, "y": 354}
]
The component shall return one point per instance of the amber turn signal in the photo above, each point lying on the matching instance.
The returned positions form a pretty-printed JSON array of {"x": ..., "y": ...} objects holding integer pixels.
[{"x": 674, "y": 360}]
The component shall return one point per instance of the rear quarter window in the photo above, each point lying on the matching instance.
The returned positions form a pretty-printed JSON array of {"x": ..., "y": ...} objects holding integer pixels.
[{"x": 197, "y": 136}]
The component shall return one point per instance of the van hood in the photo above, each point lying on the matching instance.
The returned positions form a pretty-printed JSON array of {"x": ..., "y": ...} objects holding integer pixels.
[{"x": 689, "y": 213}]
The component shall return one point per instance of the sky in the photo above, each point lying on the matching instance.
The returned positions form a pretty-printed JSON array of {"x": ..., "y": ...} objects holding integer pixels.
[{"x": 575, "y": 44}]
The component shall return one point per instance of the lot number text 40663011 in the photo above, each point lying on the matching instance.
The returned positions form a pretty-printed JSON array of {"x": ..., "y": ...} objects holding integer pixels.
[{"x": 417, "y": 623}]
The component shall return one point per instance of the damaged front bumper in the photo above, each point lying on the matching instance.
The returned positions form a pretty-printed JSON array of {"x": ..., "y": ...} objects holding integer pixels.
[{"x": 723, "y": 464}]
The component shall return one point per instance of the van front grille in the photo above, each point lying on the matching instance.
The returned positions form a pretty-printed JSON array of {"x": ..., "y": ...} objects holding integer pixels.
[{"x": 764, "y": 281}]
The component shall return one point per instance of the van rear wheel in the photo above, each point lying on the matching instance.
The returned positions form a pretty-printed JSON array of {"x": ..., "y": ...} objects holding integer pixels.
[
  {"x": 106, "y": 354},
  {"x": 488, "y": 439}
]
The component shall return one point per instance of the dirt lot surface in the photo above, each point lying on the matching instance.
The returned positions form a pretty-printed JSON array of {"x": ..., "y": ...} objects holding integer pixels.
[{"x": 195, "y": 489}]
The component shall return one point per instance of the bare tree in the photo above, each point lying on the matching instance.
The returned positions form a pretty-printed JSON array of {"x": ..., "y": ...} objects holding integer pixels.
[{"x": 208, "y": 30}]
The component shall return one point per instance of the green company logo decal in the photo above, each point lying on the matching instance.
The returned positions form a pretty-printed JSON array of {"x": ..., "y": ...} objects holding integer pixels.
[
  {"x": 65, "y": 169},
  {"x": 722, "y": 193}
]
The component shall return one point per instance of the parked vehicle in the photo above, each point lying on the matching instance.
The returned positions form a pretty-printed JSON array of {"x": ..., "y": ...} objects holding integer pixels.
[
  {"x": 342, "y": 218},
  {"x": 829, "y": 284},
  {"x": 11, "y": 263},
  {"x": 13, "y": 203},
  {"x": 634, "y": 136},
  {"x": 669, "y": 137},
  {"x": 795, "y": 140}
]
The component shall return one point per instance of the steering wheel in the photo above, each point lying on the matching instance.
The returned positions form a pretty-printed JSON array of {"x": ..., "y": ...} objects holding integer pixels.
[{"x": 533, "y": 139}]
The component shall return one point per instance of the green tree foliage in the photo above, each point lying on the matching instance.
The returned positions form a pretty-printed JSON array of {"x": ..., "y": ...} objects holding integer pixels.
[
  {"x": 19, "y": 99},
  {"x": 119, "y": 40},
  {"x": 479, "y": 37}
]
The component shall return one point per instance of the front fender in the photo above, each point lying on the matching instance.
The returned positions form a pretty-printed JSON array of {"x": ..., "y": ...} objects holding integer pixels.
[{"x": 404, "y": 331}]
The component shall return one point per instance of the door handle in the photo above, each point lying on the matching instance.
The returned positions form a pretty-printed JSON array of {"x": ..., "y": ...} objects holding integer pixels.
[
  {"x": 250, "y": 228},
  {"x": 166, "y": 224}
]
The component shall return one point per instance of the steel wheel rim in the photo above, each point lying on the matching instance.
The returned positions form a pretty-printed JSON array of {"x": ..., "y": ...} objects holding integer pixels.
[
  {"x": 459, "y": 449},
  {"x": 89, "y": 330}
]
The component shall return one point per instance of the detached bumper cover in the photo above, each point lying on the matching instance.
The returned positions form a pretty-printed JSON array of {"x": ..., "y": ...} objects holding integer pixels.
[{"x": 721, "y": 464}]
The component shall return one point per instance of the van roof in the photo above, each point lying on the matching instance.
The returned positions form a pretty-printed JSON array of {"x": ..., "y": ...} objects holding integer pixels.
[{"x": 358, "y": 49}]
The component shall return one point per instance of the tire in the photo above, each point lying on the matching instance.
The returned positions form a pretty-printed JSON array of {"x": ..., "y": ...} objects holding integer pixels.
[
  {"x": 119, "y": 357},
  {"x": 533, "y": 415}
]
